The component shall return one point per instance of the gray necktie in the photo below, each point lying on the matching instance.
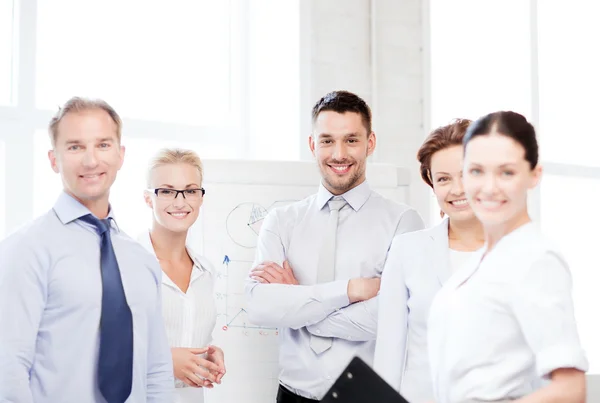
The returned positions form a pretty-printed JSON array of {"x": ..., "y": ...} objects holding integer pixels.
[{"x": 326, "y": 265}]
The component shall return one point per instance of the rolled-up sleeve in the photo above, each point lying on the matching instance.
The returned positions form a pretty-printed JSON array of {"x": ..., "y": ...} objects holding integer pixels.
[{"x": 543, "y": 307}]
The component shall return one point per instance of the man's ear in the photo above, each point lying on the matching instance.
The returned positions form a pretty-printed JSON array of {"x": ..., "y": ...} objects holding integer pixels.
[
  {"x": 371, "y": 143},
  {"x": 52, "y": 159},
  {"x": 121, "y": 156},
  {"x": 311, "y": 144}
]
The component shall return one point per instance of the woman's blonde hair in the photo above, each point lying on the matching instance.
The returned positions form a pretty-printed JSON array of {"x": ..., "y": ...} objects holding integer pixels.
[{"x": 167, "y": 156}]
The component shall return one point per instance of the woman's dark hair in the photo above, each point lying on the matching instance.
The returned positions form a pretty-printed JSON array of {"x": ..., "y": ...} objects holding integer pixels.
[
  {"x": 509, "y": 124},
  {"x": 440, "y": 139}
]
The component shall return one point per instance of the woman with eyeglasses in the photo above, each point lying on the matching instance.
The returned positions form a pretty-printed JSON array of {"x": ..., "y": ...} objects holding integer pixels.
[{"x": 175, "y": 195}]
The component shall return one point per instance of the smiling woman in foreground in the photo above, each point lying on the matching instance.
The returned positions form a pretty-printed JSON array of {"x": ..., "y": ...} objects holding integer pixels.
[{"x": 505, "y": 322}]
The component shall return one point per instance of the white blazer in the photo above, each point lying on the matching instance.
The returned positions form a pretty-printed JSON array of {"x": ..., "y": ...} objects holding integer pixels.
[{"x": 416, "y": 268}]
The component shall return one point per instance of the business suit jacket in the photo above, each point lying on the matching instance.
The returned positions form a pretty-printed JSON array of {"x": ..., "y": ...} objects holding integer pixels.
[{"x": 416, "y": 268}]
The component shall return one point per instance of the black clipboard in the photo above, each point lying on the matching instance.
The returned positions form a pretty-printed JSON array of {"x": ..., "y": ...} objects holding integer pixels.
[{"x": 360, "y": 384}]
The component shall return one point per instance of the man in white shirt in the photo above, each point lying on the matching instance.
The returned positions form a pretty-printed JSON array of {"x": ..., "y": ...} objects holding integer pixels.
[{"x": 336, "y": 241}]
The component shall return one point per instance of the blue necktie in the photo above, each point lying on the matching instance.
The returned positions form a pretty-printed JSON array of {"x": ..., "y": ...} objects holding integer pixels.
[{"x": 115, "y": 362}]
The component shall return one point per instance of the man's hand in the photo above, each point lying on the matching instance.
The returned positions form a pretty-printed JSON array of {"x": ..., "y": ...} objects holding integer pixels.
[
  {"x": 218, "y": 358},
  {"x": 362, "y": 289},
  {"x": 192, "y": 369},
  {"x": 272, "y": 273}
]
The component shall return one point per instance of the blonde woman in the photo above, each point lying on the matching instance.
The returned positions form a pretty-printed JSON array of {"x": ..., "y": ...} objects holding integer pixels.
[{"x": 175, "y": 195}]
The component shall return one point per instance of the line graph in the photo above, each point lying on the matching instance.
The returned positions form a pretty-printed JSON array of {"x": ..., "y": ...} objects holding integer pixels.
[{"x": 239, "y": 319}]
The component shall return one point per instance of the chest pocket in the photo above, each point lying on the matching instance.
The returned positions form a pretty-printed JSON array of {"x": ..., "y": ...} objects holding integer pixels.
[{"x": 75, "y": 282}]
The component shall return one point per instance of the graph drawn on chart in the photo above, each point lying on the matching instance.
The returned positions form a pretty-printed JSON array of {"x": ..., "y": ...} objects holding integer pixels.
[
  {"x": 244, "y": 221},
  {"x": 243, "y": 225},
  {"x": 235, "y": 315}
]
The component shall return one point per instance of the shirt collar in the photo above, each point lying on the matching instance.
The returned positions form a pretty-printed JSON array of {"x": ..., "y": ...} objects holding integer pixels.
[
  {"x": 355, "y": 197},
  {"x": 145, "y": 240},
  {"x": 68, "y": 209}
]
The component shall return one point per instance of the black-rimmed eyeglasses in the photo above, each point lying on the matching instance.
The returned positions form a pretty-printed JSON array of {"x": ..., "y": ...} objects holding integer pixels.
[{"x": 171, "y": 194}]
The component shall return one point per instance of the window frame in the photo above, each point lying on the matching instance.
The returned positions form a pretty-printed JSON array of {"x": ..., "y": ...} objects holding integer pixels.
[{"x": 20, "y": 121}]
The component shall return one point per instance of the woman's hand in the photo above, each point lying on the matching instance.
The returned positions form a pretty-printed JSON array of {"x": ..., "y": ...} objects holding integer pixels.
[
  {"x": 218, "y": 358},
  {"x": 194, "y": 370}
]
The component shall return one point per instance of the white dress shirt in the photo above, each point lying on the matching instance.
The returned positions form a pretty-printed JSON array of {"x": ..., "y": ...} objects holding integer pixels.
[
  {"x": 417, "y": 266},
  {"x": 295, "y": 232},
  {"x": 502, "y": 324},
  {"x": 50, "y": 308},
  {"x": 189, "y": 317}
]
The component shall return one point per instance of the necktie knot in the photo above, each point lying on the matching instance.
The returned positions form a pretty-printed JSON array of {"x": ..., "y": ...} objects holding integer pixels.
[
  {"x": 336, "y": 204},
  {"x": 101, "y": 225}
]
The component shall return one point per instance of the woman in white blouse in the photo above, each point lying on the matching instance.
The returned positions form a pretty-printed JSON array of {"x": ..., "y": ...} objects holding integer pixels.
[
  {"x": 175, "y": 195},
  {"x": 419, "y": 263},
  {"x": 503, "y": 328}
]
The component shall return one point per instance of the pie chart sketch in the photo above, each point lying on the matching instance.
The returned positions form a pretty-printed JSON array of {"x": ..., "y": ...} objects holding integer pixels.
[{"x": 244, "y": 221}]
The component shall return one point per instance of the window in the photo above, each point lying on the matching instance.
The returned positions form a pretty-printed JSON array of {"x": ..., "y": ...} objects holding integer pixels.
[
  {"x": 167, "y": 61},
  {"x": 480, "y": 58},
  {"x": 480, "y": 62},
  {"x": 481, "y": 55},
  {"x": 572, "y": 227},
  {"x": 46, "y": 183},
  {"x": 8, "y": 31},
  {"x": 569, "y": 62},
  {"x": 220, "y": 77}
]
